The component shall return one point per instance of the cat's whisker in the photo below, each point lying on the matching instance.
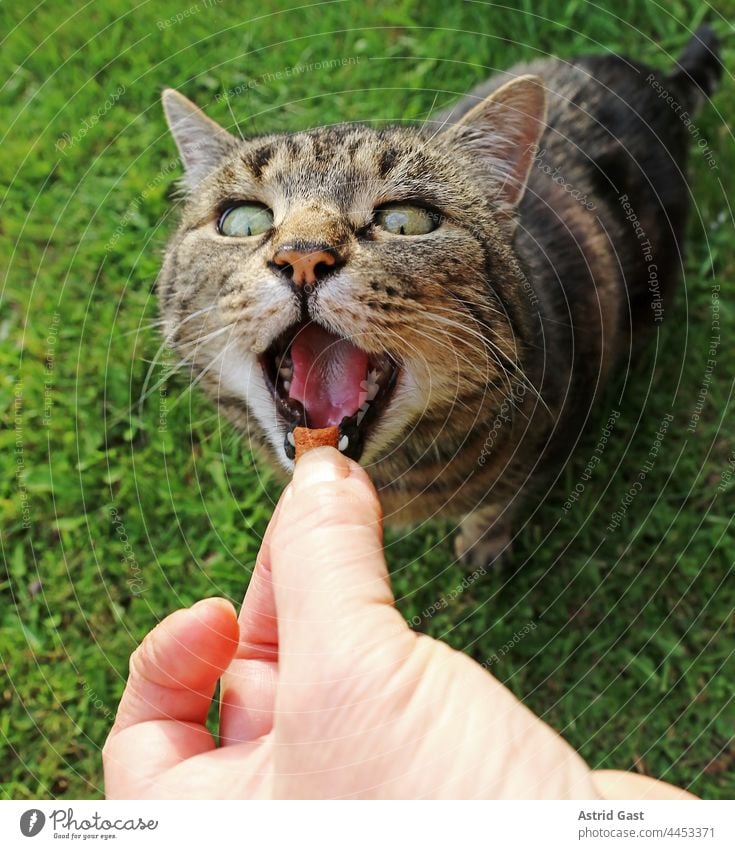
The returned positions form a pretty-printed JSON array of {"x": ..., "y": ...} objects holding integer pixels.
[
  {"x": 404, "y": 343},
  {"x": 153, "y": 363},
  {"x": 198, "y": 379},
  {"x": 204, "y": 422},
  {"x": 483, "y": 340},
  {"x": 447, "y": 346},
  {"x": 225, "y": 349},
  {"x": 234, "y": 119},
  {"x": 490, "y": 356},
  {"x": 517, "y": 371},
  {"x": 191, "y": 317},
  {"x": 201, "y": 340},
  {"x": 482, "y": 303},
  {"x": 446, "y": 122},
  {"x": 170, "y": 369},
  {"x": 143, "y": 328},
  {"x": 514, "y": 363},
  {"x": 481, "y": 350},
  {"x": 481, "y": 345},
  {"x": 161, "y": 322}
]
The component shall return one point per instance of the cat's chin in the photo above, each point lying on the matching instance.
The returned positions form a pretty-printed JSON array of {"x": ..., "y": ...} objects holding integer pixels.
[{"x": 318, "y": 379}]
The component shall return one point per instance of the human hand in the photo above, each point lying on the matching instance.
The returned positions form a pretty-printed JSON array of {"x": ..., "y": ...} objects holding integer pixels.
[{"x": 325, "y": 690}]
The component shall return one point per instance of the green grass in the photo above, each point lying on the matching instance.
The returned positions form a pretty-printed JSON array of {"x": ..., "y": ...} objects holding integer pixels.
[{"x": 631, "y": 656}]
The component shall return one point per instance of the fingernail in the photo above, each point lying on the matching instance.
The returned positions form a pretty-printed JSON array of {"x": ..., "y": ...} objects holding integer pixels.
[
  {"x": 211, "y": 601},
  {"x": 320, "y": 465}
]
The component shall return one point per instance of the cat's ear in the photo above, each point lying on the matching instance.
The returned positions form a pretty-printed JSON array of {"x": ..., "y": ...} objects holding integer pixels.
[
  {"x": 202, "y": 143},
  {"x": 503, "y": 132}
]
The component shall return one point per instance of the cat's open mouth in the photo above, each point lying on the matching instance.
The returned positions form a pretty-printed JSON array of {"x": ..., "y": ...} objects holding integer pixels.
[{"x": 318, "y": 379}]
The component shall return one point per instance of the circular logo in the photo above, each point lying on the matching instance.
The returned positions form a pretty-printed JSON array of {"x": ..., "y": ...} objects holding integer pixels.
[{"x": 31, "y": 822}]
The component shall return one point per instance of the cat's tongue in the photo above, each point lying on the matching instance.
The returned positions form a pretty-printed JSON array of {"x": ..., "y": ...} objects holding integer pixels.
[{"x": 327, "y": 372}]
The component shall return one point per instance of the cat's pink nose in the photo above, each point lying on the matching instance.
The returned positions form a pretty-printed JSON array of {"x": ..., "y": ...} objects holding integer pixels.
[{"x": 306, "y": 266}]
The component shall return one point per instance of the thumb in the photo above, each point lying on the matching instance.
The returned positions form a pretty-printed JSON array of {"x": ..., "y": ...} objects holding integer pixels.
[{"x": 330, "y": 580}]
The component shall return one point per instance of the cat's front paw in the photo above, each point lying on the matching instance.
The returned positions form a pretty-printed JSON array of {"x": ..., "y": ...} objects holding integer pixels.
[{"x": 490, "y": 550}]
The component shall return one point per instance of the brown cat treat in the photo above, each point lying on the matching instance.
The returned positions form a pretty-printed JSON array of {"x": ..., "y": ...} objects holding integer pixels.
[{"x": 306, "y": 438}]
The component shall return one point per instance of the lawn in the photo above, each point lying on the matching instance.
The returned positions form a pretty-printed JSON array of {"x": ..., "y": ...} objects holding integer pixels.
[{"x": 125, "y": 497}]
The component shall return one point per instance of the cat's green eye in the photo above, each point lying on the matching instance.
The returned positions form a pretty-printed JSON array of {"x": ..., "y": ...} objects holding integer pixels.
[
  {"x": 247, "y": 219},
  {"x": 406, "y": 220}
]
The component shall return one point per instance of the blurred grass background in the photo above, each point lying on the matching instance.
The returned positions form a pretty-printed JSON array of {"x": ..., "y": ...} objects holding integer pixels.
[{"x": 124, "y": 497}]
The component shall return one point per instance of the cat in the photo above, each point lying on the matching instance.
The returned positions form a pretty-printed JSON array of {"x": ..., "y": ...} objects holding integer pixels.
[{"x": 454, "y": 295}]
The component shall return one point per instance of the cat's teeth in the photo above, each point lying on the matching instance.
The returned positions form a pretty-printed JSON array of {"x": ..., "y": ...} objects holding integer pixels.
[
  {"x": 286, "y": 385},
  {"x": 370, "y": 386},
  {"x": 361, "y": 416},
  {"x": 286, "y": 372},
  {"x": 343, "y": 443},
  {"x": 291, "y": 440}
]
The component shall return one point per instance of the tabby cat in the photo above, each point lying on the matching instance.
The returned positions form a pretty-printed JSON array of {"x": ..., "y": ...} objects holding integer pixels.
[{"x": 453, "y": 295}]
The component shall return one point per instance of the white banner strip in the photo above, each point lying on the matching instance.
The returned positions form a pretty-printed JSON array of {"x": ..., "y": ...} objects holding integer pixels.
[{"x": 367, "y": 825}]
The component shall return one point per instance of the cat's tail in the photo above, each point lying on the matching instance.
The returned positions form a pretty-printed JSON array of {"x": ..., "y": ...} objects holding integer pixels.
[{"x": 698, "y": 70}]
